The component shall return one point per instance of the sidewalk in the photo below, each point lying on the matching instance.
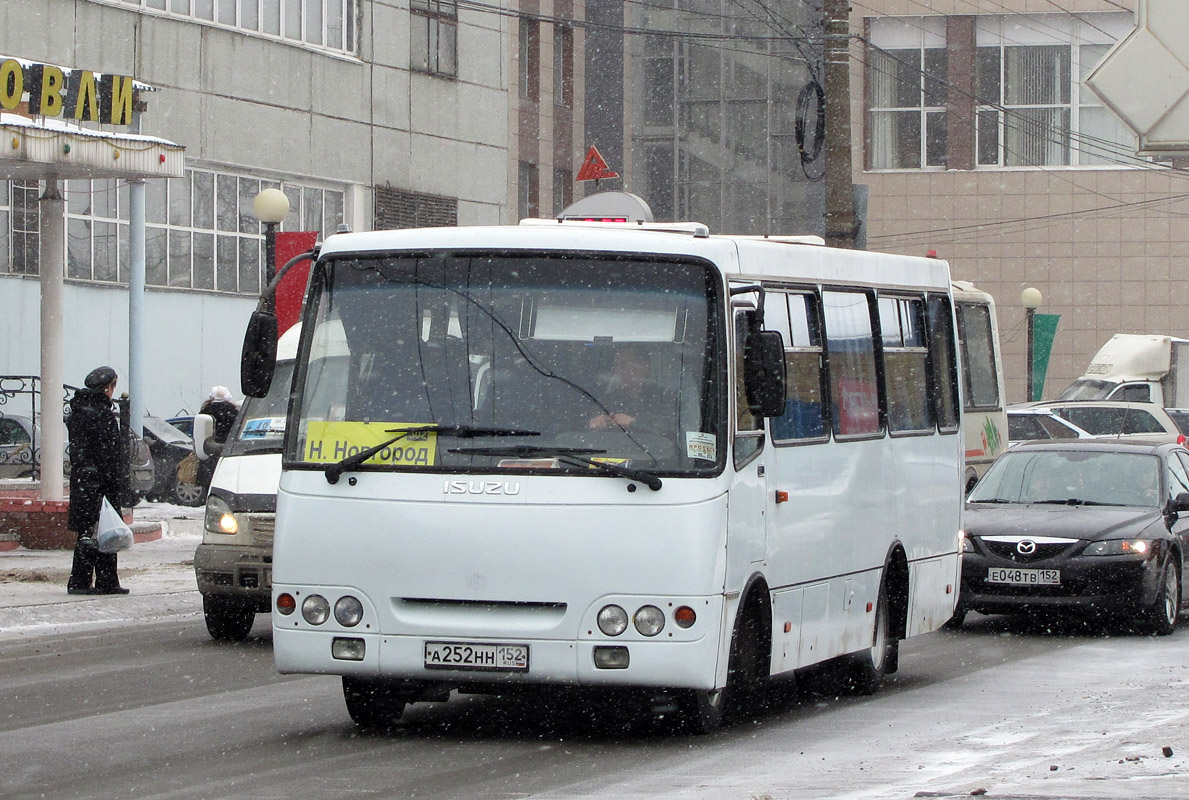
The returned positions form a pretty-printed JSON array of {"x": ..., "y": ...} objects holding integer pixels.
[{"x": 159, "y": 575}]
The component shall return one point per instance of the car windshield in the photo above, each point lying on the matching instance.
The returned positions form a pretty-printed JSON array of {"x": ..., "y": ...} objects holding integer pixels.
[
  {"x": 1086, "y": 390},
  {"x": 1111, "y": 420},
  {"x": 1180, "y": 416},
  {"x": 1073, "y": 477},
  {"x": 260, "y": 425},
  {"x": 165, "y": 432},
  {"x": 610, "y": 357}
]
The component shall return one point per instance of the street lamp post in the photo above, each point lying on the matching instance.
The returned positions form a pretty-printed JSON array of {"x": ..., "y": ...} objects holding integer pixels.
[
  {"x": 271, "y": 206},
  {"x": 1030, "y": 299}
]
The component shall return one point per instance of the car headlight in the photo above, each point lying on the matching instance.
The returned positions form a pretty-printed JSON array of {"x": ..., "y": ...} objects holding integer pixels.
[
  {"x": 315, "y": 609},
  {"x": 964, "y": 539},
  {"x": 348, "y": 611},
  {"x": 1119, "y": 547},
  {"x": 219, "y": 517},
  {"x": 649, "y": 620},
  {"x": 613, "y": 620}
]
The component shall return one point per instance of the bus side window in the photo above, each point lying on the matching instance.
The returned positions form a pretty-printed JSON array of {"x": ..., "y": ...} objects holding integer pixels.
[
  {"x": 978, "y": 355},
  {"x": 906, "y": 363},
  {"x": 796, "y": 317},
  {"x": 943, "y": 383},
  {"x": 850, "y": 349},
  {"x": 749, "y": 439}
]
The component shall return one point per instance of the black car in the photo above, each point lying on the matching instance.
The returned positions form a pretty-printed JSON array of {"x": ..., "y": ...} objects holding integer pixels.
[
  {"x": 1094, "y": 525},
  {"x": 169, "y": 447}
]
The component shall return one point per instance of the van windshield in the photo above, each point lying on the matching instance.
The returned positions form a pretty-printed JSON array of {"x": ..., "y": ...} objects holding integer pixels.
[
  {"x": 610, "y": 358},
  {"x": 260, "y": 425}
]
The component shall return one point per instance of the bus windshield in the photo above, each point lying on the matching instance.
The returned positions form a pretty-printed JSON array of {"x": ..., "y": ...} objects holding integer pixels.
[{"x": 525, "y": 362}]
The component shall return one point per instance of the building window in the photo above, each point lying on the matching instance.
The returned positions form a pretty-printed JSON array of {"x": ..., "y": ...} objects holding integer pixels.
[
  {"x": 530, "y": 59},
  {"x": 322, "y": 23},
  {"x": 1030, "y": 106},
  {"x": 563, "y": 190},
  {"x": 433, "y": 36},
  {"x": 397, "y": 209},
  {"x": 200, "y": 230},
  {"x": 527, "y": 193},
  {"x": 563, "y": 65},
  {"x": 19, "y": 252}
]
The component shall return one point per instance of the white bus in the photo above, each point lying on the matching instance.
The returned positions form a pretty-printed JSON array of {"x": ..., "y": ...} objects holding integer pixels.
[
  {"x": 984, "y": 420},
  {"x": 490, "y": 501}
]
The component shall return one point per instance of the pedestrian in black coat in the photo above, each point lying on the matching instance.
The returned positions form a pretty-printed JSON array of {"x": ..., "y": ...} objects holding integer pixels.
[{"x": 96, "y": 471}]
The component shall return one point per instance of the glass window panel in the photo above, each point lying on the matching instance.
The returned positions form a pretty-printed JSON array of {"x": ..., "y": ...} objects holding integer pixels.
[
  {"x": 988, "y": 137},
  {"x": 204, "y": 9},
  {"x": 311, "y": 210},
  {"x": 78, "y": 197},
  {"x": 227, "y": 12},
  {"x": 5, "y": 259},
  {"x": 248, "y": 189},
  {"x": 447, "y": 49},
  {"x": 908, "y": 78},
  {"x": 419, "y": 41},
  {"x": 978, "y": 355},
  {"x": 890, "y": 309},
  {"x": 226, "y": 198},
  {"x": 935, "y": 77},
  {"x": 334, "y": 23},
  {"x": 123, "y": 199},
  {"x": 349, "y": 44},
  {"x": 179, "y": 200},
  {"x": 179, "y": 6},
  {"x": 249, "y": 266},
  {"x": 155, "y": 247},
  {"x": 1036, "y": 137},
  {"x": 895, "y": 139},
  {"x": 850, "y": 343},
  {"x": 158, "y": 4},
  {"x": 179, "y": 258},
  {"x": 943, "y": 361},
  {"x": 313, "y": 12},
  {"x": 272, "y": 17},
  {"x": 154, "y": 201},
  {"x": 1103, "y": 137},
  {"x": 122, "y": 256},
  {"x": 204, "y": 200},
  {"x": 103, "y": 198},
  {"x": 333, "y": 212},
  {"x": 78, "y": 249},
  {"x": 226, "y": 269},
  {"x": 106, "y": 248},
  {"x": 204, "y": 261},
  {"x": 1036, "y": 75},
  {"x": 294, "y": 195},
  {"x": 882, "y": 83},
  {"x": 658, "y": 91},
  {"x": 907, "y": 381},
  {"x": 293, "y": 19},
  {"x": 249, "y": 14},
  {"x": 803, "y": 322},
  {"x": 935, "y": 138},
  {"x": 986, "y": 75}
]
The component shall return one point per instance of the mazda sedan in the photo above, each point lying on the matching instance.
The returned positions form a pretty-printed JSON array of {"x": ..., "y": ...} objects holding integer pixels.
[{"x": 1098, "y": 526}]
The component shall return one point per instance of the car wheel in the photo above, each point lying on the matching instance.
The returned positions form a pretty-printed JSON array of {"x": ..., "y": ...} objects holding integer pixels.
[
  {"x": 1161, "y": 616},
  {"x": 188, "y": 494},
  {"x": 227, "y": 619},
  {"x": 955, "y": 622},
  {"x": 868, "y": 667},
  {"x": 372, "y": 704}
]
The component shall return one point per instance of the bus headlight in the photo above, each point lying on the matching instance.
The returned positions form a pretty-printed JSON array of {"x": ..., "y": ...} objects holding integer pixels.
[
  {"x": 348, "y": 611},
  {"x": 315, "y": 609},
  {"x": 219, "y": 518},
  {"x": 649, "y": 620},
  {"x": 613, "y": 620}
]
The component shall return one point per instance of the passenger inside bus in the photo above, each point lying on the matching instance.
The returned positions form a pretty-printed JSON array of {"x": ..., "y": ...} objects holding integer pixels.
[{"x": 633, "y": 398}]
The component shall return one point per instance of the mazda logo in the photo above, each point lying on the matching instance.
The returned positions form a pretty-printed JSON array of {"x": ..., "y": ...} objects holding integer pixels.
[{"x": 1026, "y": 547}]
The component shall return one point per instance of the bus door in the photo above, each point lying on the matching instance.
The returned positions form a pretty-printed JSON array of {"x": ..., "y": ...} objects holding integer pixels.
[{"x": 747, "y": 502}]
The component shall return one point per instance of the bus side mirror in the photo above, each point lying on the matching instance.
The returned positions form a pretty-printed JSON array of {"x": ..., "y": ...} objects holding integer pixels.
[
  {"x": 205, "y": 445},
  {"x": 259, "y": 356},
  {"x": 1180, "y": 503},
  {"x": 763, "y": 373}
]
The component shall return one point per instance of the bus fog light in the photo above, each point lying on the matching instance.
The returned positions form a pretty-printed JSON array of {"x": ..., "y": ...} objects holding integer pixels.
[
  {"x": 347, "y": 649},
  {"x": 286, "y": 605},
  {"x": 649, "y": 620},
  {"x": 315, "y": 609},
  {"x": 348, "y": 611},
  {"x": 613, "y": 620},
  {"x": 609, "y": 657},
  {"x": 685, "y": 617}
]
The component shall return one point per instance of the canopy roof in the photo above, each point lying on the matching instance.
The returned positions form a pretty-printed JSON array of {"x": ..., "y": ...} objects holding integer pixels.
[{"x": 42, "y": 147}]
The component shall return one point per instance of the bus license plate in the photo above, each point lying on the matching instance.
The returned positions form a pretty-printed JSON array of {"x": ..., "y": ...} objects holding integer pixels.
[
  {"x": 1024, "y": 577},
  {"x": 472, "y": 655}
]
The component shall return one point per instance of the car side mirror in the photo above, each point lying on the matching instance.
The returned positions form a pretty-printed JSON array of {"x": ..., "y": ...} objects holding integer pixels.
[
  {"x": 1180, "y": 503},
  {"x": 259, "y": 356},
  {"x": 764, "y": 373},
  {"x": 205, "y": 445}
]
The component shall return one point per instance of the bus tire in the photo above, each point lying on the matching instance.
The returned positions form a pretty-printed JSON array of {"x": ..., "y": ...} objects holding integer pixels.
[
  {"x": 701, "y": 710},
  {"x": 372, "y": 703},
  {"x": 868, "y": 667},
  {"x": 227, "y": 619}
]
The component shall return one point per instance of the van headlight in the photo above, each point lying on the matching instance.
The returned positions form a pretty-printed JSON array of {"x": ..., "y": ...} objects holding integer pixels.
[{"x": 219, "y": 517}]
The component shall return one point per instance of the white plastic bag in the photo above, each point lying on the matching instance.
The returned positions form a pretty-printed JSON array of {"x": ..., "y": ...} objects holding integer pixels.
[{"x": 112, "y": 534}]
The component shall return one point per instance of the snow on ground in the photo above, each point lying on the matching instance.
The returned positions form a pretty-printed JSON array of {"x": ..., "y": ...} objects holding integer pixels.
[{"x": 159, "y": 575}]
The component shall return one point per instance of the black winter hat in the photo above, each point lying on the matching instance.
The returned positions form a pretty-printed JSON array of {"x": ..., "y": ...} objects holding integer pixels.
[{"x": 100, "y": 378}]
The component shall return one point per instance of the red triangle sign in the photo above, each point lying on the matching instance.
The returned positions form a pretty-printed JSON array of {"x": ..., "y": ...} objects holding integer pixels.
[{"x": 594, "y": 167}]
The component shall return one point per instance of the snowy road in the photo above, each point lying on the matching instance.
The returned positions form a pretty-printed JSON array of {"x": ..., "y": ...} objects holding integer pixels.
[{"x": 160, "y": 711}]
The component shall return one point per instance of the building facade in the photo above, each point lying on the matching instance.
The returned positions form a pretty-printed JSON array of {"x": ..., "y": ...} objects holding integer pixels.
[
  {"x": 977, "y": 138},
  {"x": 368, "y": 113}
]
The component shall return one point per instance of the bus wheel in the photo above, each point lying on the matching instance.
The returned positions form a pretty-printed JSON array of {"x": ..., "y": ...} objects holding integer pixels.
[
  {"x": 227, "y": 620},
  {"x": 702, "y": 710},
  {"x": 868, "y": 667},
  {"x": 372, "y": 704}
]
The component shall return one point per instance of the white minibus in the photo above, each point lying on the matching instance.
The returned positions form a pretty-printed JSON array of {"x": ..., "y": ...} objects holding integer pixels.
[{"x": 633, "y": 457}]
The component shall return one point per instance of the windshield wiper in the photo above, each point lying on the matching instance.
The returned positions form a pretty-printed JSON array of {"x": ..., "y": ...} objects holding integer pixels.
[
  {"x": 571, "y": 455},
  {"x": 991, "y": 500},
  {"x": 334, "y": 471},
  {"x": 1072, "y": 501}
]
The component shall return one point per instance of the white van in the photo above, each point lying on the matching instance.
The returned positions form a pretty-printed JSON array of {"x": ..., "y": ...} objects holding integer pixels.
[{"x": 233, "y": 564}]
